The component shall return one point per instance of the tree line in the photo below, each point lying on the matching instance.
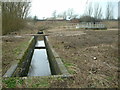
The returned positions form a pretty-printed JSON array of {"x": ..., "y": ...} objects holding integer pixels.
[
  {"x": 92, "y": 11},
  {"x": 14, "y": 16}
]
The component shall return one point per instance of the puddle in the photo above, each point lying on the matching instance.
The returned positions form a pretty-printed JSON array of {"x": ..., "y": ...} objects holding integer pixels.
[{"x": 39, "y": 64}]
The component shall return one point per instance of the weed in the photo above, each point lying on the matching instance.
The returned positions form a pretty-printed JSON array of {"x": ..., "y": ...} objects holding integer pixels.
[
  {"x": 20, "y": 81},
  {"x": 69, "y": 64},
  {"x": 40, "y": 84},
  {"x": 10, "y": 82}
]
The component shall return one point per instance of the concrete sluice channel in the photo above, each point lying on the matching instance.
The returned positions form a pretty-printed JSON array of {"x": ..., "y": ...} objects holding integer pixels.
[
  {"x": 39, "y": 59},
  {"x": 39, "y": 63}
]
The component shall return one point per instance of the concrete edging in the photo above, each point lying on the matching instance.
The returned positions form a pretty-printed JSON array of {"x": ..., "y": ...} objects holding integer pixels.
[
  {"x": 11, "y": 70},
  {"x": 21, "y": 66},
  {"x": 56, "y": 64}
]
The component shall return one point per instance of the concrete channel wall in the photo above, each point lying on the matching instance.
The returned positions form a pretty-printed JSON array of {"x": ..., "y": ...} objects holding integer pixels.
[
  {"x": 56, "y": 64},
  {"x": 24, "y": 62},
  {"x": 21, "y": 68}
]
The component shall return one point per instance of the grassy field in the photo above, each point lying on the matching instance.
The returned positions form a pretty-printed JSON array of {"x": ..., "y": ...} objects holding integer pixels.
[{"x": 91, "y": 56}]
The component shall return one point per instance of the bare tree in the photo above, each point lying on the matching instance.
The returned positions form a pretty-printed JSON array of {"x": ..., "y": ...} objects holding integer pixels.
[
  {"x": 70, "y": 13},
  {"x": 89, "y": 10},
  {"x": 97, "y": 11},
  {"x": 109, "y": 11},
  {"x": 35, "y": 19},
  {"x": 63, "y": 15},
  {"x": 54, "y": 14},
  {"x": 75, "y": 16},
  {"x": 14, "y": 15}
]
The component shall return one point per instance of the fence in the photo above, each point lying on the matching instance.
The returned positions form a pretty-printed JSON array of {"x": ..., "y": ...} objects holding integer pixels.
[{"x": 91, "y": 25}]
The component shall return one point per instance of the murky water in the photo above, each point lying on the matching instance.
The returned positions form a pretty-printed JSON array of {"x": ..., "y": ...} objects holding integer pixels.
[{"x": 39, "y": 64}]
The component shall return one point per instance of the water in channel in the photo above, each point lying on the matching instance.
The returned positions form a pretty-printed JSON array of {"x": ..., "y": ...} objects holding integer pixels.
[
  {"x": 40, "y": 43},
  {"x": 39, "y": 64}
]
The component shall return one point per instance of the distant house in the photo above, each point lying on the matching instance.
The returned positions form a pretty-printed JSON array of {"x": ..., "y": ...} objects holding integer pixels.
[
  {"x": 55, "y": 19},
  {"x": 59, "y": 18},
  {"x": 49, "y": 19}
]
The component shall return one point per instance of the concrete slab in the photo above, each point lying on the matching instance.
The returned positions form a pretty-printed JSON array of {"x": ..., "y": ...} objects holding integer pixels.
[{"x": 11, "y": 70}]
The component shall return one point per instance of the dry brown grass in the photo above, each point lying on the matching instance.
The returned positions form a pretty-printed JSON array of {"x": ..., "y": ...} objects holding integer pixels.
[
  {"x": 77, "y": 49},
  {"x": 12, "y": 47},
  {"x": 78, "y": 52},
  {"x": 111, "y": 24}
]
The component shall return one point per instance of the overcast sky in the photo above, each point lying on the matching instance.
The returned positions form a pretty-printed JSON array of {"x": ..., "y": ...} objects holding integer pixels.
[{"x": 45, "y": 8}]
